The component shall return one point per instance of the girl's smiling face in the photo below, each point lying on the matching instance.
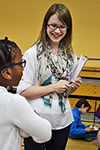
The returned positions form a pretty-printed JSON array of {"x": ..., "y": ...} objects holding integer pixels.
[{"x": 56, "y": 35}]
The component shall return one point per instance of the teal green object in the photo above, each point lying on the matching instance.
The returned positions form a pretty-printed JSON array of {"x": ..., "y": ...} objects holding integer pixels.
[
  {"x": 46, "y": 82},
  {"x": 61, "y": 104},
  {"x": 46, "y": 100}
]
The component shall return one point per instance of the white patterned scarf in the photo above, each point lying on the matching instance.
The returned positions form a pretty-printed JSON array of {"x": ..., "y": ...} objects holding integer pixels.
[{"x": 48, "y": 67}]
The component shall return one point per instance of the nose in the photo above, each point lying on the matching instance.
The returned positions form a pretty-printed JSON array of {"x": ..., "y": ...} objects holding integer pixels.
[{"x": 57, "y": 29}]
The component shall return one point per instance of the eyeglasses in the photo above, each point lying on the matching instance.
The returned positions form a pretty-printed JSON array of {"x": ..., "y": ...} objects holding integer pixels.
[
  {"x": 22, "y": 63},
  {"x": 54, "y": 27}
]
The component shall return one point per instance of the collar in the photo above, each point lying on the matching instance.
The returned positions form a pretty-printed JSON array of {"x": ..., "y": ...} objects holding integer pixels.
[
  {"x": 77, "y": 110},
  {"x": 2, "y": 89}
]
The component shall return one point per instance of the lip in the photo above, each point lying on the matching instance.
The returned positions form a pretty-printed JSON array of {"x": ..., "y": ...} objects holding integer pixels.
[{"x": 56, "y": 35}]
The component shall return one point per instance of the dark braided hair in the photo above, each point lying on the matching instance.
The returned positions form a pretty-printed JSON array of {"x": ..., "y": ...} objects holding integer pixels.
[{"x": 8, "y": 51}]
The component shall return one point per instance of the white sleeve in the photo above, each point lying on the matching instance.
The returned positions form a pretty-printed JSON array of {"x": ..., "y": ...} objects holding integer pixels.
[
  {"x": 30, "y": 71},
  {"x": 21, "y": 115},
  {"x": 23, "y": 134}
]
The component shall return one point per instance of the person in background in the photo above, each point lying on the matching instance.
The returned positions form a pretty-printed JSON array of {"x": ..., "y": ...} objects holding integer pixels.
[
  {"x": 97, "y": 114},
  {"x": 17, "y": 118},
  {"x": 98, "y": 139},
  {"x": 46, "y": 79},
  {"x": 79, "y": 130}
]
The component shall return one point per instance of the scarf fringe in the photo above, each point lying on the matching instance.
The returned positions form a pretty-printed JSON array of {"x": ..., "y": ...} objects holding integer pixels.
[
  {"x": 62, "y": 105},
  {"x": 46, "y": 101}
]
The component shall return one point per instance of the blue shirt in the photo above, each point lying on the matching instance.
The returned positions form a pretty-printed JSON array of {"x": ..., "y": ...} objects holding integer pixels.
[{"x": 77, "y": 127}]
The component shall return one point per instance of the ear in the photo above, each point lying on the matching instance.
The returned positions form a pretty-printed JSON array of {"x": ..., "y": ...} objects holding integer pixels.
[
  {"x": 6, "y": 74},
  {"x": 82, "y": 106}
]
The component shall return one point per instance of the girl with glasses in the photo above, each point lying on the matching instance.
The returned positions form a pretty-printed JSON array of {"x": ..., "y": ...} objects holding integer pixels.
[
  {"x": 16, "y": 115},
  {"x": 50, "y": 65}
]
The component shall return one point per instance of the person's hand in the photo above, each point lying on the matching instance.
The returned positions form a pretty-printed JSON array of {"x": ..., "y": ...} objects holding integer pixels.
[
  {"x": 61, "y": 86},
  {"x": 76, "y": 82},
  {"x": 89, "y": 129}
]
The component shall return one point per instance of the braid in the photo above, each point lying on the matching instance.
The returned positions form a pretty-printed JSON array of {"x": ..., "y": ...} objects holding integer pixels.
[
  {"x": 8, "y": 50},
  {"x": 6, "y": 44}
]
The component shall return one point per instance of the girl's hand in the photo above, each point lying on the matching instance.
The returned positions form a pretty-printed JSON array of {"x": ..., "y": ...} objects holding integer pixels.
[
  {"x": 61, "y": 86},
  {"x": 76, "y": 82}
]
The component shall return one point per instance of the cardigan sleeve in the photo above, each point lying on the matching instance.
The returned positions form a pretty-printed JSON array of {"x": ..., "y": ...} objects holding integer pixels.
[{"x": 22, "y": 115}]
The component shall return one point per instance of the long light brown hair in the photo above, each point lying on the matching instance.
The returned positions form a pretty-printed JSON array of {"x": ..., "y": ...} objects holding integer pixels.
[{"x": 64, "y": 16}]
